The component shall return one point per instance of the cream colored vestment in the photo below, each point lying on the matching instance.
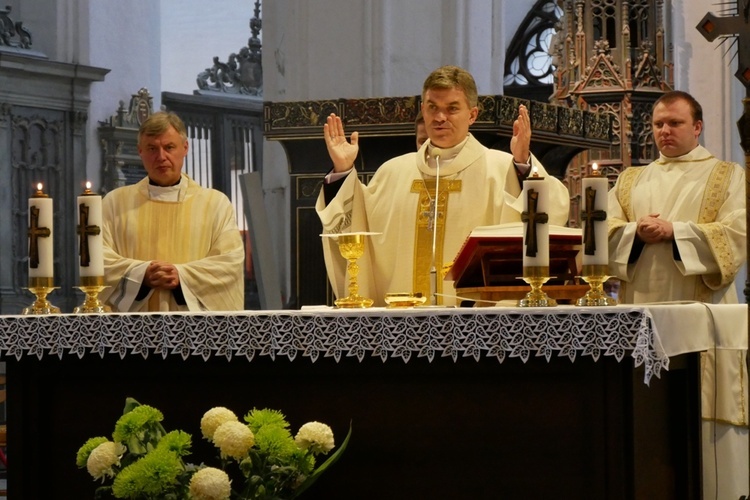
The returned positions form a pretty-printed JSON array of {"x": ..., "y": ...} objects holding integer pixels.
[
  {"x": 197, "y": 232},
  {"x": 704, "y": 198},
  {"x": 478, "y": 187}
]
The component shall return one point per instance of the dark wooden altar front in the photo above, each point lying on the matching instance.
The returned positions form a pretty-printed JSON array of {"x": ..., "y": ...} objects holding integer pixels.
[
  {"x": 469, "y": 427},
  {"x": 386, "y": 130}
]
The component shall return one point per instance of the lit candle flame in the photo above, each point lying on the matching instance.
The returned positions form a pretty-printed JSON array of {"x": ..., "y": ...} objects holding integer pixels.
[
  {"x": 39, "y": 187},
  {"x": 534, "y": 171},
  {"x": 88, "y": 184},
  {"x": 594, "y": 167}
]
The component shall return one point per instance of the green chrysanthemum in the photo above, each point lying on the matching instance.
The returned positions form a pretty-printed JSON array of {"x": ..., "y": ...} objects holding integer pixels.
[
  {"x": 262, "y": 418},
  {"x": 154, "y": 475},
  {"x": 136, "y": 422},
  {"x": 178, "y": 442},
  {"x": 84, "y": 451},
  {"x": 276, "y": 444}
]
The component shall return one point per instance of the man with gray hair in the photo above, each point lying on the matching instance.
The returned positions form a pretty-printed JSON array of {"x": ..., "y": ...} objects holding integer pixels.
[{"x": 170, "y": 244}]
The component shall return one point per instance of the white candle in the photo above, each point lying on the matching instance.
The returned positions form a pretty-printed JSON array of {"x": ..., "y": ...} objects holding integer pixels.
[
  {"x": 40, "y": 232},
  {"x": 538, "y": 189},
  {"x": 89, "y": 232},
  {"x": 595, "y": 187}
]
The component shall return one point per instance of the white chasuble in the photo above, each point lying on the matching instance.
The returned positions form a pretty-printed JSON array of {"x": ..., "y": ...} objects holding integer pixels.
[
  {"x": 197, "y": 232},
  {"x": 480, "y": 187}
]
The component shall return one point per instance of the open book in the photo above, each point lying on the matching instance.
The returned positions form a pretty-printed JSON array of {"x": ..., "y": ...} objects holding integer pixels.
[{"x": 493, "y": 256}]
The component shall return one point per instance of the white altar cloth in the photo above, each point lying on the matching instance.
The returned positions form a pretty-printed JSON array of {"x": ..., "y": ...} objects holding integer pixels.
[{"x": 650, "y": 334}]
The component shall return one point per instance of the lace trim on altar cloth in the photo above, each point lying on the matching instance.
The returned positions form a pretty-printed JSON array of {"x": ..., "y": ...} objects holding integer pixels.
[{"x": 454, "y": 333}]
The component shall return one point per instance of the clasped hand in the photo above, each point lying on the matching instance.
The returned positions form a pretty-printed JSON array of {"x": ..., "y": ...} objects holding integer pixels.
[
  {"x": 161, "y": 275},
  {"x": 652, "y": 229}
]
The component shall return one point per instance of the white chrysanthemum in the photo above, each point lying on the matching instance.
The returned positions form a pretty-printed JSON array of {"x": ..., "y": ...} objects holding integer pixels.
[
  {"x": 315, "y": 437},
  {"x": 103, "y": 458},
  {"x": 213, "y": 418},
  {"x": 234, "y": 439},
  {"x": 210, "y": 484}
]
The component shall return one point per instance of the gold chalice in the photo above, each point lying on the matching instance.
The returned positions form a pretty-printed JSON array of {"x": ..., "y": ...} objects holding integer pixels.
[{"x": 352, "y": 247}]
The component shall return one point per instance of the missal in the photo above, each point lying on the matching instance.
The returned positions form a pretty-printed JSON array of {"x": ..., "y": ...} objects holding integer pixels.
[{"x": 492, "y": 256}]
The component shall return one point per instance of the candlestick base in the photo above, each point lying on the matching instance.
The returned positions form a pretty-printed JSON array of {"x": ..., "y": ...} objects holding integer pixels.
[
  {"x": 536, "y": 277},
  {"x": 92, "y": 304},
  {"x": 595, "y": 276},
  {"x": 92, "y": 287},
  {"x": 41, "y": 287}
]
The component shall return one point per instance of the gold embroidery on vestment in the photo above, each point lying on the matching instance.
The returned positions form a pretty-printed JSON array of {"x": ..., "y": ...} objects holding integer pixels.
[
  {"x": 713, "y": 197},
  {"x": 423, "y": 232}
]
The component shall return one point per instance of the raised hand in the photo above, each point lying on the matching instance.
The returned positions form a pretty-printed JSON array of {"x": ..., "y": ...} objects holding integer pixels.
[
  {"x": 342, "y": 152},
  {"x": 521, "y": 141}
]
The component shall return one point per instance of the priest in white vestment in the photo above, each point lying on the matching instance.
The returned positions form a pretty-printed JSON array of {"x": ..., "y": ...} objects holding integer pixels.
[
  {"x": 677, "y": 231},
  {"x": 170, "y": 244},
  {"x": 477, "y": 187}
]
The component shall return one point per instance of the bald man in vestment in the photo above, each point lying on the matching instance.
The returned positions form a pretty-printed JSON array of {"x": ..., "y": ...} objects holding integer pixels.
[
  {"x": 170, "y": 244},
  {"x": 677, "y": 230},
  {"x": 477, "y": 187}
]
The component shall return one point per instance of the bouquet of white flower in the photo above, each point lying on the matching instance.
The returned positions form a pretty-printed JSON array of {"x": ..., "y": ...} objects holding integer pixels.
[{"x": 144, "y": 461}]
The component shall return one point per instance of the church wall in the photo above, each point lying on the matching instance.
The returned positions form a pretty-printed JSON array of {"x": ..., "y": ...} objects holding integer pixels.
[{"x": 113, "y": 25}]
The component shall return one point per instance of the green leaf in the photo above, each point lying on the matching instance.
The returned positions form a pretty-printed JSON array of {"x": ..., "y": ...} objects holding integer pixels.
[
  {"x": 130, "y": 403},
  {"x": 324, "y": 466}
]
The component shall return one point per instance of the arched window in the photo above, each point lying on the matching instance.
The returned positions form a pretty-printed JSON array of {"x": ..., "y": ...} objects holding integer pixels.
[{"x": 528, "y": 63}]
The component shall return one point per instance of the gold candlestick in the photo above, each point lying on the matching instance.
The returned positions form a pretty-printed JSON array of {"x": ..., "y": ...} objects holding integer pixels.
[
  {"x": 536, "y": 277},
  {"x": 595, "y": 276},
  {"x": 41, "y": 287},
  {"x": 92, "y": 287}
]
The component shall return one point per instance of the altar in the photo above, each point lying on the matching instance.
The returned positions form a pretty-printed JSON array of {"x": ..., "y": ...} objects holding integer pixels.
[{"x": 444, "y": 403}]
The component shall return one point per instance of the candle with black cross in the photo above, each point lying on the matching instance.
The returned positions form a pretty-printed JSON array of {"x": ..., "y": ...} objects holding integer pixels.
[
  {"x": 535, "y": 227},
  {"x": 535, "y": 218},
  {"x": 89, "y": 230},
  {"x": 41, "y": 252},
  {"x": 595, "y": 257},
  {"x": 594, "y": 219},
  {"x": 40, "y": 232},
  {"x": 90, "y": 251}
]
